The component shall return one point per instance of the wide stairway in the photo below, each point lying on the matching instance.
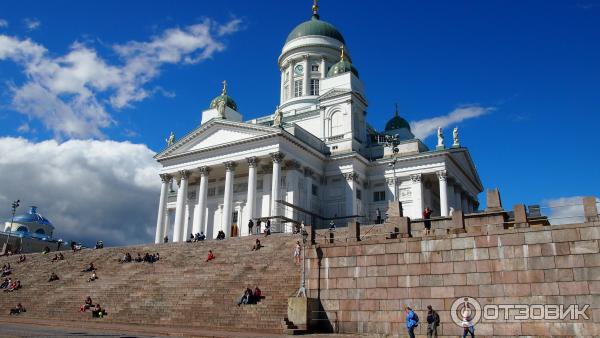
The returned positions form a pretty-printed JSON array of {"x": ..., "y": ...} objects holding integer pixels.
[{"x": 181, "y": 289}]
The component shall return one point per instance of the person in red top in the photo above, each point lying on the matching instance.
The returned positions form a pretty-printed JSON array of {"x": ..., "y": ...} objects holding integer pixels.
[
  {"x": 426, "y": 220},
  {"x": 211, "y": 256},
  {"x": 257, "y": 293}
]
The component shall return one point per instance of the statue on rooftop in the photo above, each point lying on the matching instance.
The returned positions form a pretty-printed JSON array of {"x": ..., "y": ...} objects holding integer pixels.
[
  {"x": 277, "y": 119},
  {"x": 440, "y": 136},
  {"x": 455, "y": 136},
  {"x": 170, "y": 140}
]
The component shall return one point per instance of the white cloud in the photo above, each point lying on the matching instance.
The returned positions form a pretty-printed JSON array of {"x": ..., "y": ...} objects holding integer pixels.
[
  {"x": 32, "y": 24},
  {"x": 566, "y": 210},
  {"x": 3, "y": 23},
  {"x": 90, "y": 190},
  {"x": 427, "y": 127},
  {"x": 73, "y": 94}
]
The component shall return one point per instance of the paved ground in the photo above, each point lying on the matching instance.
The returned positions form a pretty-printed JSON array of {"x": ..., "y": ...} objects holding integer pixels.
[{"x": 25, "y": 327}]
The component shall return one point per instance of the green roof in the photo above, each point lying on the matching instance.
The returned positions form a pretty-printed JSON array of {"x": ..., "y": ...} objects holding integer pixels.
[
  {"x": 223, "y": 97},
  {"x": 396, "y": 122},
  {"x": 343, "y": 66},
  {"x": 315, "y": 26}
]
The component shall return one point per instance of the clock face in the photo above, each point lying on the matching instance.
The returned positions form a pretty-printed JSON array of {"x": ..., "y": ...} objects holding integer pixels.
[{"x": 298, "y": 69}]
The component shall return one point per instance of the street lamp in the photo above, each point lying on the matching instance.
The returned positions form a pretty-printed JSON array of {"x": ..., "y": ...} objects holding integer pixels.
[
  {"x": 392, "y": 141},
  {"x": 302, "y": 290},
  {"x": 15, "y": 205}
]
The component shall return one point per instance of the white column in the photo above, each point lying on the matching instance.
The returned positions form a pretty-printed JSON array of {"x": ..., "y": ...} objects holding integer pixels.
[
  {"x": 251, "y": 196},
  {"x": 180, "y": 206},
  {"x": 443, "y": 193},
  {"x": 282, "y": 89},
  {"x": 228, "y": 197},
  {"x": 186, "y": 220},
  {"x": 323, "y": 69},
  {"x": 291, "y": 80},
  {"x": 162, "y": 207},
  {"x": 276, "y": 181},
  {"x": 458, "y": 199},
  {"x": 306, "y": 76},
  {"x": 417, "y": 195},
  {"x": 351, "y": 206},
  {"x": 199, "y": 220}
]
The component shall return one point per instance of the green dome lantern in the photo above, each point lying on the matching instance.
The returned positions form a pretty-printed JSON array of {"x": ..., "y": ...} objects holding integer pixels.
[
  {"x": 343, "y": 66},
  {"x": 223, "y": 100},
  {"x": 399, "y": 126},
  {"x": 315, "y": 26}
]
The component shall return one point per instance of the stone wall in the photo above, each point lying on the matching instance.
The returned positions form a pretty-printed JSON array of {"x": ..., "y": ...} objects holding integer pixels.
[{"x": 365, "y": 285}]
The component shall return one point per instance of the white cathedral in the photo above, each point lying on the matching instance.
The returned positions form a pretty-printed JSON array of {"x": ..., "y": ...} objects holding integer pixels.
[{"x": 314, "y": 159}]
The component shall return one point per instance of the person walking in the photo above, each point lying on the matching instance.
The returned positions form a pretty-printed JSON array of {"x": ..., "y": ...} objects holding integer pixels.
[
  {"x": 412, "y": 321},
  {"x": 297, "y": 252},
  {"x": 426, "y": 220},
  {"x": 250, "y": 226},
  {"x": 468, "y": 326},
  {"x": 258, "y": 221},
  {"x": 433, "y": 321}
]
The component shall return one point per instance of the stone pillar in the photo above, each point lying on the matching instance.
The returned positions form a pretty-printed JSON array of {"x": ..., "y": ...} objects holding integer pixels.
[
  {"x": 417, "y": 195},
  {"x": 458, "y": 221},
  {"x": 276, "y": 182},
  {"x": 251, "y": 196},
  {"x": 306, "y": 84},
  {"x": 180, "y": 206},
  {"x": 351, "y": 207},
  {"x": 520, "y": 215},
  {"x": 590, "y": 209},
  {"x": 458, "y": 199},
  {"x": 200, "y": 220},
  {"x": 162, "y": 206},
  {"x": 228, "y": 197},
  {"x": 494, "y": 202},
  {"x": 442, "y": 177}
]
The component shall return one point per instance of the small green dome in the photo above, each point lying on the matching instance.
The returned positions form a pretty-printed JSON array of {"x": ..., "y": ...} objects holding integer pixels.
[
  {"x": 315, "y": 26},
  {"x": 396, "y": 122},
  {"x": 343, "y": 66},
  {"x": 223, "y": 98}
]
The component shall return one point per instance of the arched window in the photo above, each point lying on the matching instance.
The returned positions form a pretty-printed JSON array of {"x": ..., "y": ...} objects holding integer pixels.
[
  {"x": 22, "y": 229},
  {"x": 40, "y": 232},
  {"x": 337, "y": 124}
]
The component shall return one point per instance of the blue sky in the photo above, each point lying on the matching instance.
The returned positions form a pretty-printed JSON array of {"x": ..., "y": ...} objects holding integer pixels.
[{"x": 534, "y": 63}]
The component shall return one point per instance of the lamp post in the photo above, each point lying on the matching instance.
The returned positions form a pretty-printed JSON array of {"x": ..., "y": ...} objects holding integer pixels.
[
  {"x": 392, "y": 141},
  {"x": 302, "y": 290},
  {"x": 15, "y": 205}
]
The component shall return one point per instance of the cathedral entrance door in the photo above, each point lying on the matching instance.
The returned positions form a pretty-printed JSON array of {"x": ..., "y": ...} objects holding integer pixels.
[{"x": 234, "y": 226}]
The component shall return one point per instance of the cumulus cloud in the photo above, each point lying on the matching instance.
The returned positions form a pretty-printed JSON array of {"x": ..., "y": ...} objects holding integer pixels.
[
  {"x": 566, "y": 210},
  {"x": 427, "y": 127},
  {"x": 3, "y": 23},
  {"x": 32, "y": 24},
  {"x": 91, "y": 190},
  {"x": 74, "y": 95}
]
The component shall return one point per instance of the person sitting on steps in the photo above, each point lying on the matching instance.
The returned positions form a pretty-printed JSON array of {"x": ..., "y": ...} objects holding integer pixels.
[
  {"x": 139, "y": 258},
  {"x": 257, "y": 294},
  {"x": 93, "y": 277},
  {"x": 257, "y": 245},
  {"x": 90, "y": 268},
  {"x": 268, "y": 227},
  {"x": 87, "y": 305},
  {"x": 210, "y": 256},
  {"x": 17, "y": 310},
  {"x": 98, "y": 312},
  {"x": 202, "y": 236},
  {"x": 191, "y": 239},
  {"x": 5, "y": 284},
  {"x": 53, "y": 277},
  {"x": 246, "y": 297},
  {"x": 22, "y": 259}
]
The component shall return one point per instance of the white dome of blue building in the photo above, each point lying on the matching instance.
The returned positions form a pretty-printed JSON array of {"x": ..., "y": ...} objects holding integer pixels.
[{"x": 32, "y": 223}]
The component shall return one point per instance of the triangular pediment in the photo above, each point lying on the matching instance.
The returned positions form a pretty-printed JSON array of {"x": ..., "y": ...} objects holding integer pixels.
[
  {"x": 215, "y": 134},
  {"x": 466, "y": 163}
]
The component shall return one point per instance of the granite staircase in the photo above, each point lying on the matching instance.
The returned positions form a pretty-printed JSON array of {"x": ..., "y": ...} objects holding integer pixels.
[{"x": 181, "y": 289}]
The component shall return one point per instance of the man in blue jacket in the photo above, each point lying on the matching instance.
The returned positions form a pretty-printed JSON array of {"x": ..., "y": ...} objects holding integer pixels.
[{"x": 412, "y": 321}]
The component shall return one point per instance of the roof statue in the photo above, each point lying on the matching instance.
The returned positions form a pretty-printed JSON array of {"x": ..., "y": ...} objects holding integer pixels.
[
  {"x": 456, "y": 144},
  {"x": 170, "y": 140},
  {"x": 277, "y": 119},
  {"x": 222, "y": 101},
  {"x": 440, "y": 136}
]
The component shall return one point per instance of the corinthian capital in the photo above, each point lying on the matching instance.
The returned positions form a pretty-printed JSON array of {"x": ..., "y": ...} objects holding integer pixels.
[
  {"x": 165, "y": 178},
  {"x": 184, "y": 174},
  {"x": 277, "y": 157},
  {"x": 252, "y": 162},
  {"x": 416, "y": 178},
  {"x": 442, "y": 175},
  {"x": 351, "y": 176},
  {"x": 230, "y": 165},
  {"x": 204, "y": 171}
]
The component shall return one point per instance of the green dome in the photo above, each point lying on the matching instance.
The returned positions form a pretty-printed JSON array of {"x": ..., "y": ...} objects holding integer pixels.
[
  {"x": 343, "y": 66},
  {"x": 223, "y": 98},
  {"x": 396, "y": 122},
  {"x": 315, "y": 26}
]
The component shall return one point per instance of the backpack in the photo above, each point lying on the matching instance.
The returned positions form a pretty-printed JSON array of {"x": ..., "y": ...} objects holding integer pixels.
[
  {"x": 436, "y": 318},
  {"x": 416, "y": 318}
]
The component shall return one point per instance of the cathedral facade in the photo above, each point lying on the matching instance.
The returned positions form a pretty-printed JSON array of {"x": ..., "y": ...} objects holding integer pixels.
[{"x": 314, "y": 159}]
